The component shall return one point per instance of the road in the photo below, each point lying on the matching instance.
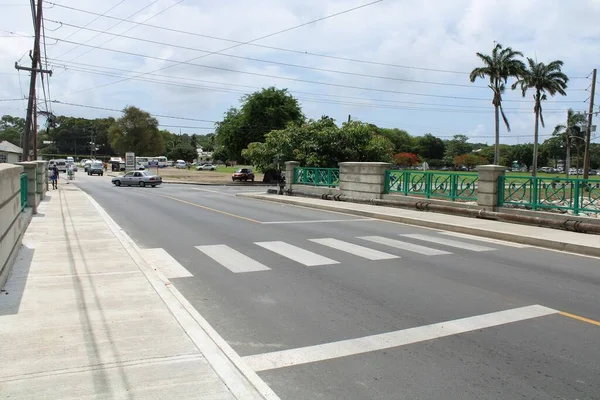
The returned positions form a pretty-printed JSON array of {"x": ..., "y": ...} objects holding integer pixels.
[{"x": 300, "y": 294}]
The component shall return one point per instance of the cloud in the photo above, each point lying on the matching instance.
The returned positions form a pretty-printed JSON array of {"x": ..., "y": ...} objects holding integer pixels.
[{"x": 432, "y": 35}]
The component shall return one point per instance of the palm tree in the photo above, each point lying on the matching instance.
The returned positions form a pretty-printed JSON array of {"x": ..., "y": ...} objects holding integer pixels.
[
  {"x": 544, "y": 79},
  {"x": 500, "y": 66},
  {"x": 575, "y": 123}
]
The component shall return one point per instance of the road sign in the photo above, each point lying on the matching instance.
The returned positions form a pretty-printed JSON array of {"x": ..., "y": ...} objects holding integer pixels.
[{"x": 129, "y": 161}]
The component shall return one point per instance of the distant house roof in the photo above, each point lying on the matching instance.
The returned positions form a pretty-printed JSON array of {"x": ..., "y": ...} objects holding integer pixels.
[{"x": 8, "y": 147}]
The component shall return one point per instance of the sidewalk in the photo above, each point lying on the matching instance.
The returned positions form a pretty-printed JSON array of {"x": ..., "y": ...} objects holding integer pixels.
[
  {"x": 84, "y": 316},
  {"x": 555, "y": 239}
]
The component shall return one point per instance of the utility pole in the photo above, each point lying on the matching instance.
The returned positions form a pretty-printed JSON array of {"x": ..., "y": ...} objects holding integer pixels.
[
  {"x": 586, "y": 156},
  {"x": 31, "y": 111},
  {"x": 568, "y": 137}
]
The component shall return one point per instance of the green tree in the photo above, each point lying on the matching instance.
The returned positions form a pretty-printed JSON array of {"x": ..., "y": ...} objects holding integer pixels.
[
  {"x": 457, "y": 146},
  {"x": 11, "y": 129},
  {"x": 260, "y": 112},
  {"x": 544, "y": 79},
  {"x": 429, "y": 147},
  {"x": 183, "y": 151},
  {"x": 74, "y": 135},
  {"x": 401, "y": 140},
  {"x": 572, "y": 131},
  {"x": 498, "y": 67},
  {"x": 136, "y": 131}
]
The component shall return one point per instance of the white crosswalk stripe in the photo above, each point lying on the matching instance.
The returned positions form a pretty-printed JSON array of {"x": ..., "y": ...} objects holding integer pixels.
[
  {"x": 398, "y": 244},
  {"x": 485, "y": 239},
  {"x": 360, "y": 251},
  {"x": 232, "y": 259},
  {"x": 297, "y": 254},
  {"x": 448, "y": 242}
]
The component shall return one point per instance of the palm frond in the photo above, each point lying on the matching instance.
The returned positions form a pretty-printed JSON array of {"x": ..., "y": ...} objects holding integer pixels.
[{"x": 506, "y": 123}]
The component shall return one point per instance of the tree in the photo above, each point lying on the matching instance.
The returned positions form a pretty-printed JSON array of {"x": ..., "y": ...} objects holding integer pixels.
[
  {"x": 11, "y": 129},
  {"x": 138, "y": 132},
  {"x": 543, "y": 79},
  {"x": 260, "y": 112},
  {"x": 569, "y": 133},
  {"x": 406, "y": 159},
  {"x": 429, "y": 147},
  {"x": 469, "y": 160},
  {"x": 74, "y": 135},
  {"x": 183, "y": 151},
  {"x": 401, "y": 139},
  {"x": 498, "y": 67},
  {"x": 458, "y": 145}
]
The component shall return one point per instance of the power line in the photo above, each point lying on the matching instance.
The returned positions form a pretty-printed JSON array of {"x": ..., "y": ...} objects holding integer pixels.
[
  {"x": 118, "y": 23},
  {"x": 283, "y": 78},
  {"x": 275, "y": 62},
  {"x": 95, "y": 19},
  {"x": 301, "y": 52},
  {"x": 134, "y": 26},
  {"x": 241, "y": 44}
]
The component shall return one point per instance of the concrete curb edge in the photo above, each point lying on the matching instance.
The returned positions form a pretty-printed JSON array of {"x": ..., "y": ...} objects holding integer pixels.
[{"x": 544, "y": 243}]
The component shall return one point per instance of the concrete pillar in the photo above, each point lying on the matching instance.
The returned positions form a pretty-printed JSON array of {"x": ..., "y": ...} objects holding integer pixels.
[
  {"x": 42, "y": 179},
  {"x": 289, "y": 172},
  {"x": 363, "y": 180},
  {"x": 487, "y": 186},
  {"x": 30, "y": 168}
]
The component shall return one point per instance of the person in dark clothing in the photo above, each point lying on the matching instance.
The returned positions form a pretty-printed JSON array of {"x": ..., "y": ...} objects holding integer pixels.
[{"x": 54, "y": 176}]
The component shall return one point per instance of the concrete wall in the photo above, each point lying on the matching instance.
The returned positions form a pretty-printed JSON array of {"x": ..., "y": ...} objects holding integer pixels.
[
  {"x": 13, "y": 222},
  {"x": 363, "y": 180}
]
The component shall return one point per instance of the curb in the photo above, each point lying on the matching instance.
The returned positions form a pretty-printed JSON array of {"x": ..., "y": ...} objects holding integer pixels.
[
  {"x": 237, "y": 376},
  {"x": 508, "y": 237}
]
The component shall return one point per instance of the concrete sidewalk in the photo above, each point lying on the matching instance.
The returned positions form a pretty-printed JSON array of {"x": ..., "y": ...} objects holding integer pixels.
[
  {"x": 84, "y": 316},
  {"x": 555, "y": 239}
]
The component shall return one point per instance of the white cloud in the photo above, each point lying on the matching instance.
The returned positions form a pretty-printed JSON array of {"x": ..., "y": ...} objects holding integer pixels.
[{"x": 432, "y": 34}]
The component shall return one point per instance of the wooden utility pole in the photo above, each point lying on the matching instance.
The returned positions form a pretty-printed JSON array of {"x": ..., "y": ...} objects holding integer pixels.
[
  {"x": 586, "y": 156},
  {"x": 31, "y": 118}
]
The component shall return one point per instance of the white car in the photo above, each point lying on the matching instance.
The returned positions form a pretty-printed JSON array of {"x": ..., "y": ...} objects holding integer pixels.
[
  {"x": 180, "y": 164},
  {"x": 206, "y": 167}
]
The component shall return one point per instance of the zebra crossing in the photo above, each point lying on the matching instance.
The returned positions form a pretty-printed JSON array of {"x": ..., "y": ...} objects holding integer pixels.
[{"x": 431, "y": 245}]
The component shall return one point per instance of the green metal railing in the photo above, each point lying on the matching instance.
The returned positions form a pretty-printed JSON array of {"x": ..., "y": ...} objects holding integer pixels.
[
  {"x": 443, "y": 185},
  {"x": 23, "y": 191},
  {"x": 317, "y": 176},
  {"x": 569, "y": 194}
]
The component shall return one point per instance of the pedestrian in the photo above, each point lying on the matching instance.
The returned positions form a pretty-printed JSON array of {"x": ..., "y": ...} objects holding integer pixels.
[{"x": 54, "y": 176}]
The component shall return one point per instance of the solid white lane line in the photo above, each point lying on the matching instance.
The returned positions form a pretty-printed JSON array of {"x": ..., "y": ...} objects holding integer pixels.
[
  {"x": 364, "y": 252},
  {"x": 343, "y": 348},
  {"x": 316, "y": 221},
  {"x": 165, "y": 263},
  {"x": 448, "y": 242},
  {"x": 398, "y": 244},
  {"x": 232, "y": 259},
  {"x": 297, "y": 254},
  {"x": 485, "y": 239}
]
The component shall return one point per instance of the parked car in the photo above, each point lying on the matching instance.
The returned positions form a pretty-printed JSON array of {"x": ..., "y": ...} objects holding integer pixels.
[
  {"x": 96, "y": 168},
  {"x": 61, "y": 165},
  {"x": 137, "y": 178},
  {"x": 180, "y": 164},
  {"x": 206, "y": 167},
  {"x": 243, "y": 174}
]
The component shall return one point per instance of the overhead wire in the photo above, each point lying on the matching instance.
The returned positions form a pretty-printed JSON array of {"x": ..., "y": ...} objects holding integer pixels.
[
  {"x": 241, "y": 44},
  {"x": 471, "y": 86}
]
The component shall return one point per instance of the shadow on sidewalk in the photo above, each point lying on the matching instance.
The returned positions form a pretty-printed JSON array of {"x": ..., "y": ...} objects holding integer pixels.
[
  {"x": 12, "y": 292},
  {"x": 101, "y": 381}
]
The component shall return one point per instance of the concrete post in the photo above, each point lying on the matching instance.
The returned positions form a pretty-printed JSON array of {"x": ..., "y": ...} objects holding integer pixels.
[
  {"x": 487, "y": 186},
  {"x": 289, "y": 172},
  {"x": 42, "y": 179},
  {"x": 363, "y": 180},
  {"x": 30, "y": 168}
]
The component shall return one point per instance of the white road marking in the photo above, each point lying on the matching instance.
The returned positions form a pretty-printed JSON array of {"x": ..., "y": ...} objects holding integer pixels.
[
  {"x": 415, "y": 248},
  {"x": 232, "y": 259},
  {"x": 485, "y": 239},
  {"x": 364, "y": 252},
  {"x": 297, "y": 254},
  {"x": 448, "y": 242},
  {"x": 318, "y": 221},
  {"x": 166, "y": 263},
  {"x": 343, "y": 348}
]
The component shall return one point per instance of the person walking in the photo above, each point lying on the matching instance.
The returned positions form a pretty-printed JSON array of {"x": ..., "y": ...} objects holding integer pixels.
[{"x": 54, "y": 176}]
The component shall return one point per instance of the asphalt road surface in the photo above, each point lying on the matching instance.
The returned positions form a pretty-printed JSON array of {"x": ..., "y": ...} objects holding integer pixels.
[{"x": 332, "y": 306}]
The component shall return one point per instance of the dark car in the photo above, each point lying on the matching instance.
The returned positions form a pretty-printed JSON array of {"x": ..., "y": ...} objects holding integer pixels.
[
  {"x": 243, "y": 174},
  {"x": 96, "y": 168}
]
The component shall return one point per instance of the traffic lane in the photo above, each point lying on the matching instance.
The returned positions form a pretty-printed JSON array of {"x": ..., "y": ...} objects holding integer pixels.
[
  {"x": 248, "y": 208},
  {"x": 533, "y": 359}
]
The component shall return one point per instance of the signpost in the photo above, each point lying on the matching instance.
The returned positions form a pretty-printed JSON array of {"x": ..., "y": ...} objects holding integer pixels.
[{"x": 129, "y": 162}]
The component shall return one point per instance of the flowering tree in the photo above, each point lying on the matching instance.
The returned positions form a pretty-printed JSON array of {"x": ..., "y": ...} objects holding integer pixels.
[{"x": 406, "y": 159}]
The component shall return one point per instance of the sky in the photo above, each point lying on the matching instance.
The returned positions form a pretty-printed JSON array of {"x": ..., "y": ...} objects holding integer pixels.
[{"x": 395, "y": 63}]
